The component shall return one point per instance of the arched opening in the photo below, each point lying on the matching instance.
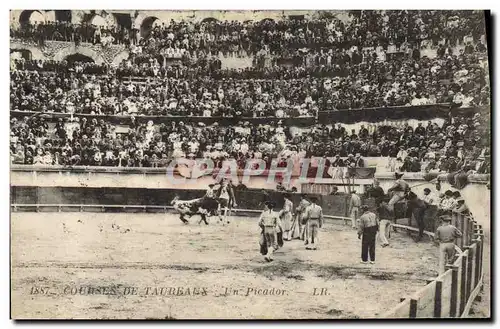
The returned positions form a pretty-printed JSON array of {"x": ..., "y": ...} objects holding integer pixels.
[
  {"x": 78, "y": 58},
  {"x": 147, "y": 25},
  {"x": 63, "y": 15},
  {"x": 20, "y": 54},
  {"x": 267, "y": 21},
  {"x": 31, "y": 17},
  {"x": 123, "y": 20},
  {"x": 209, "y": 20},
  {"x": 327, "y": 15}
]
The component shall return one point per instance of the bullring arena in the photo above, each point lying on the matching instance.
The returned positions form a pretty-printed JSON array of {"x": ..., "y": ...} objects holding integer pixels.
[
  {"x": 116, "y": 115},
  {"x": 158, "y": 251}
]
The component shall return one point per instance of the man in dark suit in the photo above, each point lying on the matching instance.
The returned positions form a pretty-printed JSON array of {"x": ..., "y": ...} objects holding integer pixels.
[
  {"x": 363, "y": 132},
  {"x": 358, "y": 161},
  {"x": 420, "y": 130},
  {"x": 338, "y": 162},
  {"x": 417, "y": 207},
  {"x": 483, "y": 165},
  {"x": 350, "y": 161},
  {"x": 376, "y": 192}
]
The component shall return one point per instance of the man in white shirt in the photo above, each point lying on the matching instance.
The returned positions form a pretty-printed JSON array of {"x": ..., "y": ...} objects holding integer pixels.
[
  {"x": 448, "y": 203},
  {"x": 132, "y": 108},
  {"x": 458, "y": 98},
  {"x": 354, "y": 205},
  {"x": 193, "y": 145},
  {"x": 236, "y": 144},
  {"x": 416, "y": 100},
  {"x": 218, "y": 146},
  {"x": 428, "y": 197},
  {"x": 208, "y": 153},
  {"x": 244, "y": 147},
  {"x": 280, "y": 113},
  {"x": 207, "y": 111},
  {"x": 402, "y": 154}
]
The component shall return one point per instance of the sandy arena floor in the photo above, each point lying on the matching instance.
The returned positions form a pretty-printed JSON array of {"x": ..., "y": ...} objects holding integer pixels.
[{"x": 137, "y": 266}]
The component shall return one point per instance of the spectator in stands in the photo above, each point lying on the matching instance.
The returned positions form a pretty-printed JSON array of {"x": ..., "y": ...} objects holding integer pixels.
[
  {"x": 338, "y": 161},
  {"x": 428, "y": 197},
  {"x": 18, "y": 157},
  {"x": 448, "y": 202},
  {"x": 411, "y": 164},
  {"x": 358, "y": 161},
  {"x": 462, "y": 206},
  {"x": 272, "y": 140}
]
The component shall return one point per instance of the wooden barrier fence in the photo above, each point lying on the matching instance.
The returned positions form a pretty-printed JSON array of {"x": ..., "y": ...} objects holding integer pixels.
[
  {"x": 451, "y": 294},
  {"x": 48, "y": 207}
]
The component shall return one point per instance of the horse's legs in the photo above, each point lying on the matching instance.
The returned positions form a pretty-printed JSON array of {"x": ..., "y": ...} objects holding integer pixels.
[
  {"x": 204, "y": 218},
  {"x": 219, "y": 213},
  {"x": 226, "y": 208},
  {"x": 200, "y": 212},
  {"x": 391, "y": 210}
]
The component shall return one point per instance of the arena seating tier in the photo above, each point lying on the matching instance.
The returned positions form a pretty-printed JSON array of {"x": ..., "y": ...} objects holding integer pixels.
[{"x": 289, "y": 69}]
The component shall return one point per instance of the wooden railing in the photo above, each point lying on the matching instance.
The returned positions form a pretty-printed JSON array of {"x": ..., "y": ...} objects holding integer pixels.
[
  {"x": 451, "y": 294},
  {"x": 373, "y": 162},
  {"x": 51, "y": 207}
]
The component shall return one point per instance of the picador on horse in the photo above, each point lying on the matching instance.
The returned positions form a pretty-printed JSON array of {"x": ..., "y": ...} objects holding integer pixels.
[
  {"x": 398, "y": 192},
  {"x": 218, "y": 198}
]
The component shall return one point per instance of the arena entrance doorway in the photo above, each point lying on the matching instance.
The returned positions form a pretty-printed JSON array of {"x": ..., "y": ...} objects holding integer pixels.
[
  {"x": 123, "y": 20},
  {"x": 148, "y": 24},
  {"x": 209, "y": 20},
  {"x": 78, "y": 58},
  {"x": 63, "y": 15},
  {"x": 31, "y": 17}
]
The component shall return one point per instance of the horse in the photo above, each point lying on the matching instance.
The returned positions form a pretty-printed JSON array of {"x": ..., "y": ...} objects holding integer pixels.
[{"x": 195, "y": 207}]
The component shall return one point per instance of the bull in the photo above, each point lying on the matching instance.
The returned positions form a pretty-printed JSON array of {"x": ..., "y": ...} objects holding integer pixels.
[{"x": 201, "y": 206}]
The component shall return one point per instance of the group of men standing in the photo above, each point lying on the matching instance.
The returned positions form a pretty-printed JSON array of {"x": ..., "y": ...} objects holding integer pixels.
[
  {"x": 284, "y": 226},
  {"x": 305, "y": 222},
  {"x": 367, "y": 224},
  {"x": 281, "y": 226},
  {"x": 444, "y": 204}
]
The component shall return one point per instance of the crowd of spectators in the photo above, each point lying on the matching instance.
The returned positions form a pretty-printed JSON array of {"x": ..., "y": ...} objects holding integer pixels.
[
  {"x": 52, "y": 92},
  {"x": 300, "y": 67},
  {"x": 39, "y": 32},
  {"x": 459, "y": 144},
  {"x": 366, "y": 28},
  {"x": 277, "y": 91},
  {"x": 336, "y": 71}
]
